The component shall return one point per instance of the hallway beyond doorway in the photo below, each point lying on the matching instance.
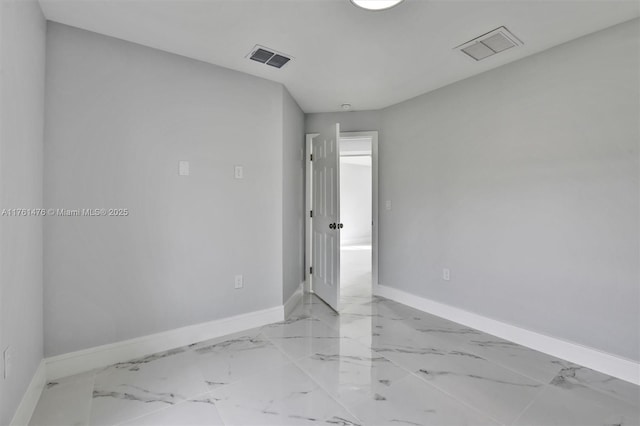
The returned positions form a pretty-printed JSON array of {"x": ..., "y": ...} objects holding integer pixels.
[
  {"x": 357, "y": 213},
  {"x": 355, "y": 274}
]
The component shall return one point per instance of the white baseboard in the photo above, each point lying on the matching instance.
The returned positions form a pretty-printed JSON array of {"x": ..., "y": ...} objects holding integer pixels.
[
  {"x": 105, "y": 355},
  {"x": 574, "y": 352},
  {"x": 294, "y": 300},
  {"x": 31, "y": 396}
]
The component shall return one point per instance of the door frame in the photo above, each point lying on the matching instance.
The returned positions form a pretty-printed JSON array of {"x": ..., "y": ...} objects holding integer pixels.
[
  {"x": 308, "y": 191},
  {"x": 374, "y": 205}
]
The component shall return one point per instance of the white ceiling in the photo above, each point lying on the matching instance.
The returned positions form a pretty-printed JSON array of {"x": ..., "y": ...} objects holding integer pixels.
[{"x": 343, "y": 54}]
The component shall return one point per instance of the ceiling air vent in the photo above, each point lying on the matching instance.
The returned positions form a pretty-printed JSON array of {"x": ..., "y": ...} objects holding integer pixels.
[
  {"x": 489, "y": 44},
  {"x": 264, "y": 55}
]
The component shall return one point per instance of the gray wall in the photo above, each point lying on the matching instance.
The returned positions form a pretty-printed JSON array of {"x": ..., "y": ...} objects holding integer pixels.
[
  {"x": 22, "y": 59},
  {"x": 119, "y": 119},
  {"x": 293, "y": 195},
  {"x": 351, "y": 121},
  {"x": 524, "y": 182}
]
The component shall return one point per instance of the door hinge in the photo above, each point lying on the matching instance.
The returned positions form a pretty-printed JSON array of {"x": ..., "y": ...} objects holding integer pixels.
[
  {"x": 311, "y": 213},
  {"x": 311, "y": 157},
  {"x": 310, "y": 270}
]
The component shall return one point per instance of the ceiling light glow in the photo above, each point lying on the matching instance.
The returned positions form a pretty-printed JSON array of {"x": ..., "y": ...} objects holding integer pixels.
[{"x": 376, "y": 4}]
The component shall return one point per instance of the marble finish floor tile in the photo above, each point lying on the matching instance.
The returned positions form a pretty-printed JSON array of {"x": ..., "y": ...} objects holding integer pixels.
[
  {"x": 304, "y": 337},
  {"x": 497, "y": 391},
  {"x": 283, "y": 396},
  {"x": 403, "y": 344},
  {"x": 225, "y": 361},
  {"x": 353, "y": 325},
  {"x": 352, "y": 372},
  {"x": 193, "y": 412},
  {"x": 573, "y": 376},
  {"x": 528, "y": 362},
  {"x": 377, "y": 363},
  {"x": 578, "y": 406},
  {"x": 65, "y": 402},
  {"x": 132, "y": 389},
  {"x": 411, "y": 401},
  {"x": 312, "y": 307}
]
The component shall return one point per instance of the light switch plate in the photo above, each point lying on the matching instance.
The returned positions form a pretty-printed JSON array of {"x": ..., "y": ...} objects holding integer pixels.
[
  {"x": 387, "y": 204},
  {"x": 238, "y": 172},
  {"x": 238, "y": 282},
  {"x": 7, "y": 361},
  {"x": 183, "y": 168}
]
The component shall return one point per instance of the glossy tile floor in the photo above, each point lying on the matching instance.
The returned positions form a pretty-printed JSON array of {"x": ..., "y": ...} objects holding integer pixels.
[{"x": 378, "y": 363}]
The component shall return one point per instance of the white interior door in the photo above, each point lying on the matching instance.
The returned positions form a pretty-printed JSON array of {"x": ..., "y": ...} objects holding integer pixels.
[{"x": 326, "y": 216}]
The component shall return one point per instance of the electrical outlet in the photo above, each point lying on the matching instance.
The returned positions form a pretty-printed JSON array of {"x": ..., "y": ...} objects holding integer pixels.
[
  {"x": 7, "y": 362},
  {"x": 446, "y": 274},
  {"x": 239, "y": 282},
  {"x": 238, "y": 172}
]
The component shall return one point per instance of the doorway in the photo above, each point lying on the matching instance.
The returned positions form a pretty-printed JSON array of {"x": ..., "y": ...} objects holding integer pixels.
[
  {"x": 357, "y": 198},
  {"x": 356, "y": 202}
]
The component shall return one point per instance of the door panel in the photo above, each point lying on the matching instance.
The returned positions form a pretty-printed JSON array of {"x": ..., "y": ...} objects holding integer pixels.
[{"x": 326, "y": 216}]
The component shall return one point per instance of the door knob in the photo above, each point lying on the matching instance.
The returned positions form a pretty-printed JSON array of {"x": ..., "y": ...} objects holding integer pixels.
[
  {"x": 332, "y": 226},
  {"x": 340, "y": 225}
]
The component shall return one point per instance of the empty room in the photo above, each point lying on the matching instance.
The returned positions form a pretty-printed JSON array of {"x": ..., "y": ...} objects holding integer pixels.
[{"x": 304, "y": 212}]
